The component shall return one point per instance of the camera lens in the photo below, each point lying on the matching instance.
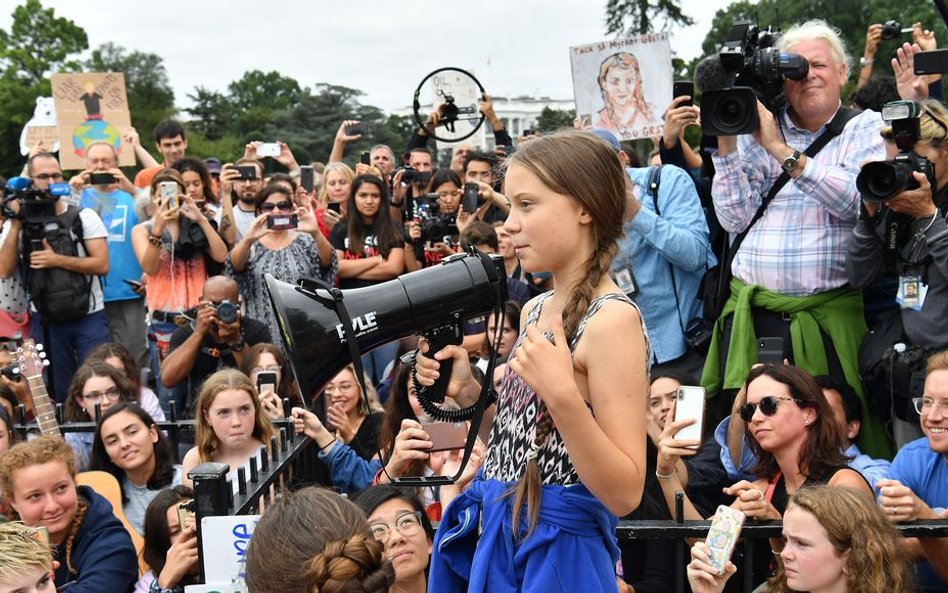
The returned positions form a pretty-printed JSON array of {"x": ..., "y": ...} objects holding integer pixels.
[
  {"x": 880, "y": 180},
  {"x": 227, "y": 312},
  {"x": 731, "y": 112}
]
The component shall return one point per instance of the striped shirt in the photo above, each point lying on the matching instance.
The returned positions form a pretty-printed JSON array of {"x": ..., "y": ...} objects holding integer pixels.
[{"x": 798, "y": 247}]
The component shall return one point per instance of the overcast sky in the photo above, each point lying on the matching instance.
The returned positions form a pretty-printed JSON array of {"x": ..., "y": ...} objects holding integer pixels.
[{"x": 515, "y": 47}]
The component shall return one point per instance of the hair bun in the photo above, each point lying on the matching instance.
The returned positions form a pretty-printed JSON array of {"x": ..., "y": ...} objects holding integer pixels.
[{"x": 354, "y": 565}]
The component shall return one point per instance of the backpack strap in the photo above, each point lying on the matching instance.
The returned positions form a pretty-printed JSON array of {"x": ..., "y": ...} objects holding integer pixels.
[
  {"x": 72, "y": 221},
  {"x": 652, "y": 185}
]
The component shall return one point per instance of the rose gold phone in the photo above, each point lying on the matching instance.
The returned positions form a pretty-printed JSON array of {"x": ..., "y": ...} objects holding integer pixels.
[{"x": 445, "y": 436}]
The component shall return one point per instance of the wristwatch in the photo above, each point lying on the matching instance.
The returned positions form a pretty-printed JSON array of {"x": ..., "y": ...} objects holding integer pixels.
[
  {"x": 790, "y": 163},
  {"x": 864, "y": 61},
  {"x": 238, "y": 347}
]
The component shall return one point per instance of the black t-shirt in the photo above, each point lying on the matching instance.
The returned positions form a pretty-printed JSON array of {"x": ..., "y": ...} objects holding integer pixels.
[
  {"x": 214, "y": 356},
  {"x": 339, "y": 238}
]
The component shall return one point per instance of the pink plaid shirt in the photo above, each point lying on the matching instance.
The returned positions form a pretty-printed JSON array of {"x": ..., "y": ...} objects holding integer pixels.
[{"x": 798, "y": 247}]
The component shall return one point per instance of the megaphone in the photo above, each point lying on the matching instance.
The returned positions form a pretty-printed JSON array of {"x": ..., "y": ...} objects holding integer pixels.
[{"x": 433, "y": 301}]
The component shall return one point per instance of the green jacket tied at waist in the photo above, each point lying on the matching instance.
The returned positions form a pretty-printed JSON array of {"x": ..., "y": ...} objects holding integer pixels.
[{"x": 837, "y": 312}]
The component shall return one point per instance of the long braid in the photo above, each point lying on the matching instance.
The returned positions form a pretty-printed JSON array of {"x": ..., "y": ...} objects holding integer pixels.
[
  {"x": 73, "y": 532},
  {"x": 529, "y": 487}
]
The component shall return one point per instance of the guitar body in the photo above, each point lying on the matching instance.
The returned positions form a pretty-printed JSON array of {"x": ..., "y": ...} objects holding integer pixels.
[{"x": 31, "y": 360}]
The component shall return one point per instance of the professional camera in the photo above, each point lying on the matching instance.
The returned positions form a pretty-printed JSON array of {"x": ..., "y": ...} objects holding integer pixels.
[
  {"x": 226, "y": 312},
  {"x": 37, "y": 206},
  {"x": 412, "y": 175},
  {"x": 435, "y": 227},
  {"x": 757, "y": 70},
  {"x": 880, "y": 180}
]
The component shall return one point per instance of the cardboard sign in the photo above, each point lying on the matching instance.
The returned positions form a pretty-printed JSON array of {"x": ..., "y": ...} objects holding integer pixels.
[
  {"x": 45, "y": 136},
  {"x": 225, "y": 542},
  {"x": 91, "y": 107},
  {"x": 623, "y": 85}
]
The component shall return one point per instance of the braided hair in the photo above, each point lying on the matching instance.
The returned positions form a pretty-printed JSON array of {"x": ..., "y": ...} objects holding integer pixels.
[
  {"x": 315, "y": 541},
  {"x": 580, "y": 165}
]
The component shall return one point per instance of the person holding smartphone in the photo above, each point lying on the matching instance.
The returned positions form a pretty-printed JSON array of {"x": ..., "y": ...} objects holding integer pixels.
[
  {"x": 293, "y": 249},
  {"x": 267, "y": 367},
  {"x": 174, "y": 249}
]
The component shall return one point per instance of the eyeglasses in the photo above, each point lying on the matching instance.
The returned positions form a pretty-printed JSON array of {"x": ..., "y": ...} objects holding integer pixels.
[
  {"x": 407, "y": 524},
  {"x": 926, "y": 405},
  {"x": 340, "y": 388},
  {"x": 48, "y": 176},
  {"x": 270, "y": 206},
  {"x": 768, "y": 406},
  {"x": 112, "y": 394}
]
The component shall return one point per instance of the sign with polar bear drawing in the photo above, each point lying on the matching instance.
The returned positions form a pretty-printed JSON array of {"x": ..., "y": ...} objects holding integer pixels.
[
  {"x": 40, "y": 131},
  {"x": 91, "y": 107}
]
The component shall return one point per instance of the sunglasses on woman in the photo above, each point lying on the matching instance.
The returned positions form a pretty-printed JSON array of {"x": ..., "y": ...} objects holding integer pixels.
[
  {"x": 270, "y": 206},
  {"x": 768, "y": 406}
]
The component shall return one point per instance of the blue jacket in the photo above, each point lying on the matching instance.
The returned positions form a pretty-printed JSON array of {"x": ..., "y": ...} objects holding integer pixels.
[
  {"x": 573, "y": 547},
  {"x": 654, "y": 246},
  {"x": 102, "y": 554},
  {"x": 347, "y": 470}
]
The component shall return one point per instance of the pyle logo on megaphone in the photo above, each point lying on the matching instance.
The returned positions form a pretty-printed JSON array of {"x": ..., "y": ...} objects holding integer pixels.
[{"x": 361, "y": 325}]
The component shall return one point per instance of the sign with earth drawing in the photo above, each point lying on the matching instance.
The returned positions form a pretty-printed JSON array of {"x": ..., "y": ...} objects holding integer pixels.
[{"x": 91, "y": 107}]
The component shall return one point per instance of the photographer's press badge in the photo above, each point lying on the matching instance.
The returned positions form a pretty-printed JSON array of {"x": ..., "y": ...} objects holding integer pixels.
[
  {"x": 912, "y": 292},
  {"x": 626, "y": 282}
]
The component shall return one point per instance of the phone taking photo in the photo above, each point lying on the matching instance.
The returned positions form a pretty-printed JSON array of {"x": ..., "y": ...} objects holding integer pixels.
[
  {"x": 770, "y": 351},
  {"x": 355, "y": 129},
  {"x": 689, "y": 404},
  {"x": 335, "y": 207},
  {"x": 365, "y": 157},
  {"x": 270, "y": 149},
  {"x": 168, "y": 191},
  {"x": 307, "y": 178},
  {"x": 682, "y": 88},
  {"x": 266, "y": 381},
  {"x": 446, "y": 436},
  {"x": 282, "y": 222},
  {"x": 469, "y": 198}
]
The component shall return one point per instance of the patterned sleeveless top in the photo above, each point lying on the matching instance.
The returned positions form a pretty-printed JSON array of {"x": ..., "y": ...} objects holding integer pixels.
[{"x": 516, "y": 421}]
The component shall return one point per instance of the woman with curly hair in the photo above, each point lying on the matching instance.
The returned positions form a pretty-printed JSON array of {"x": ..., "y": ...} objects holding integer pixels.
[
  {"x": 315, "y": 540},
  {"x": 38, "y": 479},
  {"x": 837, "y": 541}
]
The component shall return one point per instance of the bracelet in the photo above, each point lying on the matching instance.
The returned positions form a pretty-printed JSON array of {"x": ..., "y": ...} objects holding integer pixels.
[
  {"x": 666, "y": 476},
  {"x": 154, "y": 240},
  {"x": 327, "y": 445}
]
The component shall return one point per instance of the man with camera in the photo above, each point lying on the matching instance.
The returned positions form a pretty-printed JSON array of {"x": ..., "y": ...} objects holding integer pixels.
[
  {"x": 104, "y": 188},
  {"x": 64, "y": 250},
  {"x": 216, "y": 339},
  {"x": 902, "y": 231},
  {"x": 662, "y": 257},
  {"x": 789, "y": 272},
  {"x": 478, "y": 167}
]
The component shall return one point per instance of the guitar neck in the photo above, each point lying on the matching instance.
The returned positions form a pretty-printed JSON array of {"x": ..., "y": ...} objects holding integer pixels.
[{"x": 45, "y": 410}]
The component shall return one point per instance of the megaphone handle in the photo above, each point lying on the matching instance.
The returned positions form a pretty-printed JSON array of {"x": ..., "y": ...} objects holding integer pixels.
[{"x": 436, "y": 391}]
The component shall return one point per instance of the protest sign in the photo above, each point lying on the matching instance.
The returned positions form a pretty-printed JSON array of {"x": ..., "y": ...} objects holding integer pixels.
[
  {"x": 91, "y": 107},
  {"x": 623, "y": 85}
]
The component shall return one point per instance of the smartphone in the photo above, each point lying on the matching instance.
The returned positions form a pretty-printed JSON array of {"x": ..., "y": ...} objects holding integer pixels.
[
  {"x": 133, "y": 283},
  {"x": 934, "y": 61},
  {"x": 168, "y": 190},
  {"x": 680, "y": 88},
  {"x": 307, "y": 178},
  {"x": 446, "y": 436},
  {"x": 335, "y": 207},
  {"x": 271, "y": 149},
  {"x": 690, "y": 404},
  {"x": 247, "y": 171},
  {"x": 101, "y": 178},
  {"x": 266, "y": 381},
  {"x": 469, "y": 197},
  {"x": 327, "y": 403},
  {"x": 723, "y": 535},
  {"x": 282, "y": 222},
  {"x": 185, "y": 515},
  {"x": 355, "y": 130},
  {"x": 770, "y": 350},
  {"x": 365, "y": 158}
]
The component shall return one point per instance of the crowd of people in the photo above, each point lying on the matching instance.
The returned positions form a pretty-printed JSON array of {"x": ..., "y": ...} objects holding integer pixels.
[{"x": 150, "y": 298}]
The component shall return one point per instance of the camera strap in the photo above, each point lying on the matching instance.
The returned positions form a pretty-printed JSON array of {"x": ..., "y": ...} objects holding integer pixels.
[
  {"x": 833, "y": 128},
  {"x": 651, "y": 187}
]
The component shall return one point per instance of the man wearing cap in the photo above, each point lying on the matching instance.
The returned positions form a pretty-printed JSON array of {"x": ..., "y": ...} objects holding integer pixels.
[{"x": 662, "y": 258}]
